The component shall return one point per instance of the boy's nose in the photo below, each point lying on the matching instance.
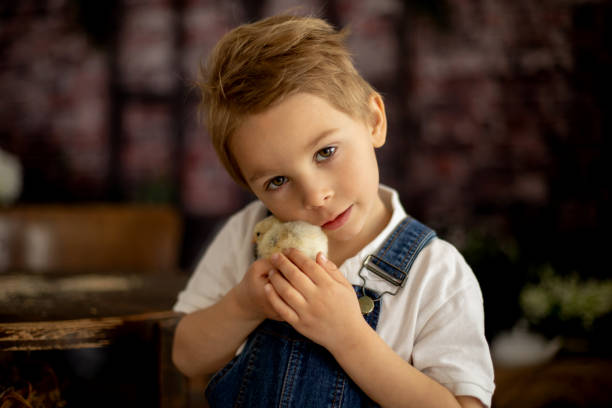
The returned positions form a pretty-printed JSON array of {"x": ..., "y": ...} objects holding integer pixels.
[{"x": 316, "y": 196}]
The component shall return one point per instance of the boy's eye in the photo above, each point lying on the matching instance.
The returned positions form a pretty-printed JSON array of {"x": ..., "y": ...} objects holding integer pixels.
[
  {"x": 325, "y": 153},
  {"x": 276, "y": 183}
]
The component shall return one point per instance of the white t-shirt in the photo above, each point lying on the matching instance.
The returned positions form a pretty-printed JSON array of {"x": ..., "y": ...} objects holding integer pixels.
[{"x": 435, "y": 322}]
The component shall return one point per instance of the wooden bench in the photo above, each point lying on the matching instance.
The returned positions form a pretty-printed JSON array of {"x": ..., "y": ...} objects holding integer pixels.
[{"x": 97, "y": 282}]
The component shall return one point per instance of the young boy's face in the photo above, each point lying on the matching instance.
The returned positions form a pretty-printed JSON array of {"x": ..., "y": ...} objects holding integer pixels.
[{"x": 306, "y": 160}]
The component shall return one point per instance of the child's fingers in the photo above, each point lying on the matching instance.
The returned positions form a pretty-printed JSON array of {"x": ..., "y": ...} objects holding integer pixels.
[
  {"x": 286, "y": 291},
  {"x": 298, "y": 277},
  {"x": 285, "y": 312},
  {"x": 331, "y": 268},
  {"x": 305, "y": 264}
]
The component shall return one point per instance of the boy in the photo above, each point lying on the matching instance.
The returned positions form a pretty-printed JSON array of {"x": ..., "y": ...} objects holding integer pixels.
[{"x": 293, "y": 121}]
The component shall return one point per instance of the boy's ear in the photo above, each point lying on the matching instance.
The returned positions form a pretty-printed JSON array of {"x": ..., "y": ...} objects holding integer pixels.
[{"x": 378, "y": 120}]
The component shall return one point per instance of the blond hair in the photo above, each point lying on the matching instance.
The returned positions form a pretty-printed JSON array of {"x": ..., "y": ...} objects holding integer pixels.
[{"x": 257, "y": 65}]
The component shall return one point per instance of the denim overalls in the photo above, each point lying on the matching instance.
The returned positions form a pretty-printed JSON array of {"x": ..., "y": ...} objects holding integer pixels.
[{"x": 279, "y": 367}]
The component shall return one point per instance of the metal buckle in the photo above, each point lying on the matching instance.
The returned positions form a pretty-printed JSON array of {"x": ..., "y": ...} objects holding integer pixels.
[{"x": 371, "y": 266}]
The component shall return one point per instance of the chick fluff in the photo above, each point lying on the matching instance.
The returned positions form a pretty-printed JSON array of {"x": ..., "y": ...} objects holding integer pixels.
[{"x": 271, "y": 235}]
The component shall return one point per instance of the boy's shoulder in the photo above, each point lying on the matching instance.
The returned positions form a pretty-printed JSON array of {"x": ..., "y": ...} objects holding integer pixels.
[
  {"x": 442, "y": 268},
  {"x": 243, "y": 220},
  {"x": 249, "y": 211}
]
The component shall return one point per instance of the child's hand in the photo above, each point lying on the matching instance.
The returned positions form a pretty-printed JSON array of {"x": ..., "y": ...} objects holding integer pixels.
[
  {"x": 251, "y": 294},
  {"x": 315, "y": 298}
]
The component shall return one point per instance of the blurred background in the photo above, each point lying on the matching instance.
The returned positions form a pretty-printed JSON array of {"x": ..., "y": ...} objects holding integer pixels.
[{"x": 499, "y": 128}]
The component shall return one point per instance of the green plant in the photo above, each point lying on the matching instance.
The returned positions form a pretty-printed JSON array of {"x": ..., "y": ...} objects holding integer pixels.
[{"x": 567, "y": 305}]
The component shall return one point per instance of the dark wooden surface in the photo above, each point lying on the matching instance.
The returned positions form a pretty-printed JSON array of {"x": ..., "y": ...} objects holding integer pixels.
[
  {"x": 39, "y": 312},
  {"x": 94, "y": 340},
  {"x": 30, "y": 297},
  {"x": 566, "y": 381},
  {"x": 76, "y": 329}
]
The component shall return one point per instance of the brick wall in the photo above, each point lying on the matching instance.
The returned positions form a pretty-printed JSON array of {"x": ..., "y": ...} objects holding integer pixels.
[{"x": 497, "y": 110}]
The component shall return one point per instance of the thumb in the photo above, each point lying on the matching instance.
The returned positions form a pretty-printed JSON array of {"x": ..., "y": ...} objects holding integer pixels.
[{"x": 330, "y": 267}]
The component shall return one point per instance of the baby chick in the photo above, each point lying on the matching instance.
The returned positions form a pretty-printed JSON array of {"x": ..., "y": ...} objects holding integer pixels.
[{"x": 272, "y": 236}]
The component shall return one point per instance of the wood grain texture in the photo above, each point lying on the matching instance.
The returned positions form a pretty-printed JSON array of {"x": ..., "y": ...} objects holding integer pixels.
[{"x": 70, "y": 334}]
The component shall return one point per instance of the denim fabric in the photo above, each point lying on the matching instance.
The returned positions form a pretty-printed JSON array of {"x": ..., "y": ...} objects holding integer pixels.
[
  {"x": 396, "y": 255},
  {"x": 281, "y": 368}
]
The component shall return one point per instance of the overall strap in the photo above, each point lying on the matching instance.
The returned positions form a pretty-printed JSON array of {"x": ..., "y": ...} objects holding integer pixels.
[{"x": 395, "y": 257}]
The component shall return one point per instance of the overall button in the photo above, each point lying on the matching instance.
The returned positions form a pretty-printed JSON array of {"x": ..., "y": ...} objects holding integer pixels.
[{"x": 366, "y": 304}]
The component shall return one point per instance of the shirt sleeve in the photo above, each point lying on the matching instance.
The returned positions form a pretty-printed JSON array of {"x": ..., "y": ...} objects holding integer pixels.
[
  {"x": 450, "y": 346},
  {"x": 224, "y": 263}
]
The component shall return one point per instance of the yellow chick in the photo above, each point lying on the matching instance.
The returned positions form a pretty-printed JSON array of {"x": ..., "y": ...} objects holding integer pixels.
[{"x": 271, "y": 235}]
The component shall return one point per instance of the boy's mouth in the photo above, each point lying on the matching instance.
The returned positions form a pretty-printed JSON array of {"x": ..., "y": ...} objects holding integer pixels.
[{"x": 339, "y": 221}]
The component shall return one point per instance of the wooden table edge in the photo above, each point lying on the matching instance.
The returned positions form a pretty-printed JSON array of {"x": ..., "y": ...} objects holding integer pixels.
[{"x": 70, "y": 334}]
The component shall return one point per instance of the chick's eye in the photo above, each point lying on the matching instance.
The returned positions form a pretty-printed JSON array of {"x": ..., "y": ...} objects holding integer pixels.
[
  {"x": 325, "y": 153},
  {"x": 276, "y": 183}
]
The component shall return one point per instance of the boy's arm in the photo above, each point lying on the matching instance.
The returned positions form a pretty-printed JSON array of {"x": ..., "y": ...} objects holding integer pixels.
[
  {"x": 318, "y": 302},
  {"x": 390, "y": 380},
  {"x": 205, "y": 340}
]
